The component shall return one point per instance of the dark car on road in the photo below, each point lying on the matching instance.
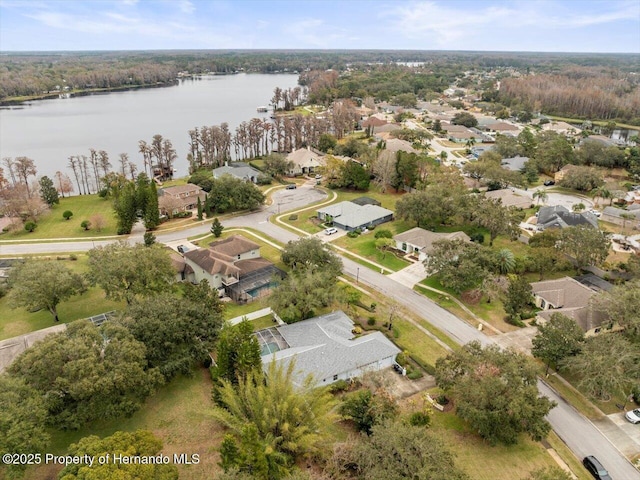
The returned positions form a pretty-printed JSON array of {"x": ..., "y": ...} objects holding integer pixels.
[
  {"x": 595, "y": 468},
  {"x": 548, "y": 183},
  {"x": 291, "y": 186}
]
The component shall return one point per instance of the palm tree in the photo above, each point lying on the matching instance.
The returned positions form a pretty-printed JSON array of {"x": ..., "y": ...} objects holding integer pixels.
[
  {"x": 506, "y": 260},
  {"x": 600, "y": 192},
  {"x": 443, "y": 155},
  {"x": 290, "y": 420},
  {"x": 541, "y": 196}
]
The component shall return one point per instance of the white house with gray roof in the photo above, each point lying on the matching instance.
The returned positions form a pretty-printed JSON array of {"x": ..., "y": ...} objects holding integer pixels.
[
  {"x": 239, "y": 170},
  {"x": 350, "y": 216},
  {"x": 326, "y": 348}
]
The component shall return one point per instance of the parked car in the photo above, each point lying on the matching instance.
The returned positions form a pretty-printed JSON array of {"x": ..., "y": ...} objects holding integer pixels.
[
  {"x": 595, "y": 468},
  {"x": 548, "y": 183},
  {"x": 595, "y": 212},
  {"x": 633, "y": 416},
  {"x": 291, "y": 186},
  {"x": 318, "y": 176},
  {"x": 330, "y": 230}
]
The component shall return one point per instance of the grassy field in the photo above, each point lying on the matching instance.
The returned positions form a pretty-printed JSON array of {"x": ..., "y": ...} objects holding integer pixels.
[
  {"x": 52, "y": 225},
  {"x": 14, "y": 322},
  {"x": 178, "y": 414},
  {"x": 485, "y": 462},
  {"x": 365, "y": 245}
]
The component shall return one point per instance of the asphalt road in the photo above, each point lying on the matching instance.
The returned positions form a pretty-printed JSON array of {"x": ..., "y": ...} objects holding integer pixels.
[{"x": 582, "y": 437}]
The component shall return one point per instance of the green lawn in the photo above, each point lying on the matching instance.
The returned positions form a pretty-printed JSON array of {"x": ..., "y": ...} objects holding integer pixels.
[
  {"x": 52, "y": 225},
  {"x": 485, "y": 462},
  {"x": 178, "y": 414},
  {"x": 365, "y": 245},
  {"x": 263, "y": 322},
  {"x": 233, "y": 310},
  {"x": 14, "y": 322}
]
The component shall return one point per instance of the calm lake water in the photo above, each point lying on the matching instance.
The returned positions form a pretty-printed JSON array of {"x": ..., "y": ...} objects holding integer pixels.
[{"x": 50, "y": 131}]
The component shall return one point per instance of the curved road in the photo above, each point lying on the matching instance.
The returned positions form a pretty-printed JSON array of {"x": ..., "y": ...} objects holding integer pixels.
[{"x": 582, "y": 437}]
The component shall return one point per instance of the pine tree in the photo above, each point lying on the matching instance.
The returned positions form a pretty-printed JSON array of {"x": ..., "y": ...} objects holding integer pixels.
[
  {"x": 151, "y": 213},
  {"x": 216, "y": 228},
  {"x": 199, "y": 209}
]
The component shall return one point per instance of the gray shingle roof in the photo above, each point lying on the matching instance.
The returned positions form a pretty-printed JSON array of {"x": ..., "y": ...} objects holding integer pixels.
[
  {"x": 559, "y": 216},
  {"x": 352, "y": 215},
  {"x": 563, "y": 293},
  {"x": 243, "y": 172},
  {"x": 424, "y": 238},
  {"x": 324, "y": 346}
]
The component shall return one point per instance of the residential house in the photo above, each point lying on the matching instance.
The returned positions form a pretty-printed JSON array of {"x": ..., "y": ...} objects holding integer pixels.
[
  {"x": 509, "y": 198},
  {"x": 395, "y": 145},
  {"x": 181, "y": 198},
  {"x": 571, "y": 298},
  {"x": 234, "y": 267},
  {"x": 559, "y": 216},
  {"x": 562, "y": 128},
  {"x": 419, "y": 241},
  {"x": 327, "y": 348},
  {"x": 503, "y": 128},
  {"x": 615, "y": 215},
  {"x": 515, "y": 164},
  {"x": 305, "y": 161},
  {"x": 240, "y": 170},
  {"x": 351, "y": 216},
  {"x": 606, "y": 141},
  {"x": 365, "y": 201},
  {"x": 559, "y": 175}
]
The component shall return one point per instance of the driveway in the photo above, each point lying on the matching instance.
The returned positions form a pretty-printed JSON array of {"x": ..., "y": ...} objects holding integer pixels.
[{"x": 410, "y": 275}]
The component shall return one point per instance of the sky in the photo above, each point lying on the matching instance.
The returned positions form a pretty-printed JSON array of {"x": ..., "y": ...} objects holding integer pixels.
[{"x": 484, "y": 25}]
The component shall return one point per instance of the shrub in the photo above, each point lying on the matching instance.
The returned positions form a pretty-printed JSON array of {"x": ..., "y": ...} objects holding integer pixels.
[
  {"x": 477, "y": 237},
  {"x": 85, "y": 224},
  {"x": 371, "y": 321},
  {"x": 414, "y": 374},
  {"x": 73, "y": 256},
  {"x": 356, "y": 330},
  {"x": 339, "y": 386},
  {"x": 373, "y": 306},
  {"x": 293, "y": 217},
  {"x": 383, "y": 233},
  {"x": 442, "y": 399},
  {"x": 353, "y": 234},
  {"x": 67, "y": 214},
  {"x": 515, "y": 320},
  {"x": 30, "y": 226},
  {"x": 371, "y": 227},
  {"x": 420, "y": 419},
  {"x": 635, "y": 394}
]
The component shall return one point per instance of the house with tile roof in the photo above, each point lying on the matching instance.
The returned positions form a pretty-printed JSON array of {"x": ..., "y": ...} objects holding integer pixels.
[
  {"x": 234, "y": 267},
  {"x": 327, "y": 348},
  {"x": 419, "y": 241},
  {"x": 571, "y": 298},
  {"x": 305, "y": 161},
  {"x": 181, "y": 198}
]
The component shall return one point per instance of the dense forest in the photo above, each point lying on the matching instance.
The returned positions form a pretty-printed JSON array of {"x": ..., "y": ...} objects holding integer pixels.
[
  {"x": 588, "y": 93},
  {"x": 35, "y": 74}
]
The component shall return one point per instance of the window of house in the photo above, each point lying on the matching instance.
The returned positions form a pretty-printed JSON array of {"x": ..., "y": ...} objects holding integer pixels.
[
  {"x": 238, "y": 257},
  {"x": 543, "y": 304},
  {"x": 404, "y": 247},
  {"x": 335, "y": 377}
]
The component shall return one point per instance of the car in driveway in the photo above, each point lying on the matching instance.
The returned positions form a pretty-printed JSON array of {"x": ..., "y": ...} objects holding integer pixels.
[
  {"x": 595, "y": 468},
  {"x": 633, "y": 416},
  {"x": 330, "y": 230},
  {"x": 291, "y": 186},
  {"x": 548, "y": 183},
  {"x": 595, "y": 212}
]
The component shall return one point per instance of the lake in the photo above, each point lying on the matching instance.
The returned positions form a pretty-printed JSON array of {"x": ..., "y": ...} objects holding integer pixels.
[{"x": 50, "y": 131}]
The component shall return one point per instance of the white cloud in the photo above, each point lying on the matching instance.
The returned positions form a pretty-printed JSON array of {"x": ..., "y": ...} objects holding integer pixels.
[
  {"x": 444, "y": 23},
  {"x": 186, "y": 6}
]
